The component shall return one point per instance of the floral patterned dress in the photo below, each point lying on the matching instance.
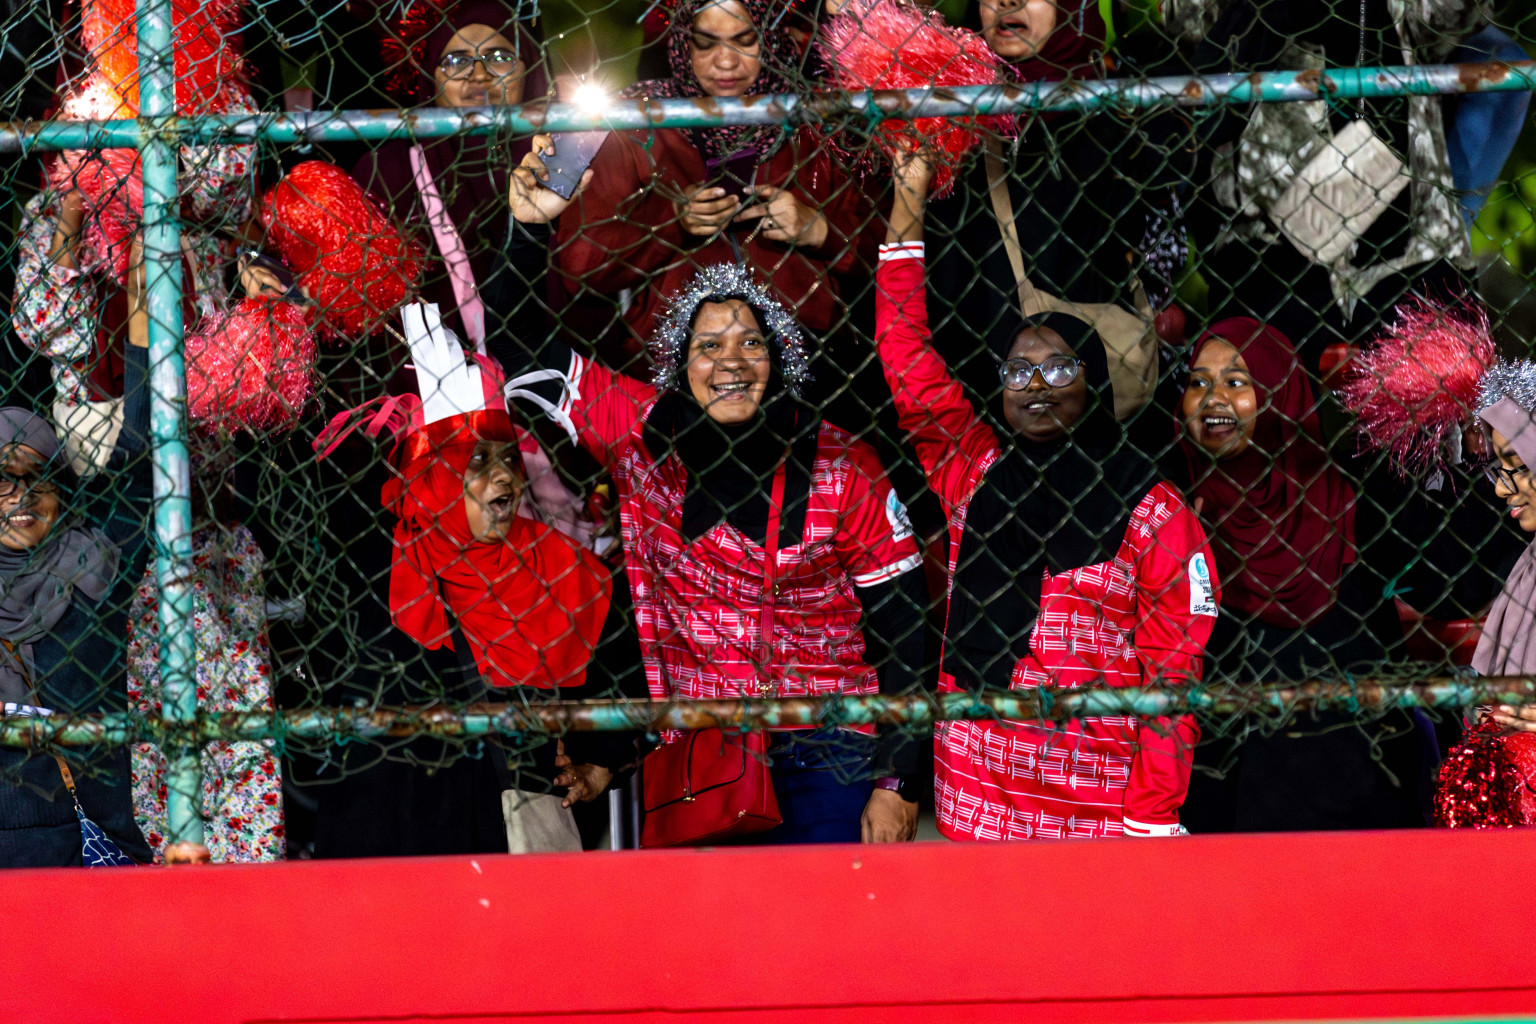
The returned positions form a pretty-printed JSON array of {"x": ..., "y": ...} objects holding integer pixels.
[{"x": 242, "y": 786}]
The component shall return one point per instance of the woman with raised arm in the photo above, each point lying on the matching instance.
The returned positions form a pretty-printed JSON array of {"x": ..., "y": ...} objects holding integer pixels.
[
  {"x": 1071, "y": 564},
  {"x": 707, "y": 456}
]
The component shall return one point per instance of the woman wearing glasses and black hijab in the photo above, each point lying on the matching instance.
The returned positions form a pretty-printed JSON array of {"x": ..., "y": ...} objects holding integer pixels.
[{"x": 1071, "y": 563}]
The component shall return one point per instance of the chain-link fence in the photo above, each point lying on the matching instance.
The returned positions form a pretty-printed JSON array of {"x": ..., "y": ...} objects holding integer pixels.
[{"x": 1067, "y": 412}]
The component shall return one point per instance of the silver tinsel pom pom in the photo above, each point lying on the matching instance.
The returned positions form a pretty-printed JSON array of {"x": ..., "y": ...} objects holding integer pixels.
[
  {"x": 1509, "y": 379},
  {"x": 669, "y": 345}
]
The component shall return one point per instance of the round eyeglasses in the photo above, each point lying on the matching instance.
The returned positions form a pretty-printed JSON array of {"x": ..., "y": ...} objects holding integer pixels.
[
  {"x": 1057, "y": 372},
  {"x": 498, "y": 63}
]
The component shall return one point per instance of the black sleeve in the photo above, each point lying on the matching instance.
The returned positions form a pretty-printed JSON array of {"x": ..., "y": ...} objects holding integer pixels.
[
  {"x": 518, "y": 328},
  {"x": 895, "y": 642},
  {"x": 119, "y": 497}
]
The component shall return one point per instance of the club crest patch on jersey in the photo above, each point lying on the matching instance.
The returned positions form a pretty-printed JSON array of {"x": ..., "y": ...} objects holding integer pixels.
[
  {"x": 1202, "y": 594},
  {"x": 896, "y": 514}
]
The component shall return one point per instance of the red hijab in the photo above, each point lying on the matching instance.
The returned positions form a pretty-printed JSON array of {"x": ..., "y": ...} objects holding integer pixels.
[
  {"x": 1284, "y": 517},
  {"x": 532, "y": 606}
]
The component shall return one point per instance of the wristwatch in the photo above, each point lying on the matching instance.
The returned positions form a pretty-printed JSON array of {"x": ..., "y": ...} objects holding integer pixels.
[{"x": 900, "y": 785}]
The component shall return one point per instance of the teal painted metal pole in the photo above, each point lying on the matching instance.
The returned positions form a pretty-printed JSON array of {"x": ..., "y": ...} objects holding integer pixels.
[
  {"x": 866, "y": 107},
  {"x": 160, "y": 147}
]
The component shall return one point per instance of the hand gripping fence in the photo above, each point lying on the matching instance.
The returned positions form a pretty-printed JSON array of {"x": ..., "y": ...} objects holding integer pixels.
[{"x": 158, "y": 134}]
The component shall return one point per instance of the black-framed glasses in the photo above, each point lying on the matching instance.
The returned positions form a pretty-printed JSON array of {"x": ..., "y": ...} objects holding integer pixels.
[
  {"x": 498, "y": 63},
  {"x": 12, "y": 484},
  {"x": 1498, "y": 473},
  {"x": 1057, "y": 372}
]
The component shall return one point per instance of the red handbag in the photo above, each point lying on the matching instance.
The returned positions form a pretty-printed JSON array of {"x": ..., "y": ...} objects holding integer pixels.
[{"x": 710, "y": 786}]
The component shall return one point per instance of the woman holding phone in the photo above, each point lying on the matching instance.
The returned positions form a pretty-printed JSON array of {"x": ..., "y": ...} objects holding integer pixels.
[
  {"x": 449, "y": 192},
  {"x": 726, "y": 481},
  {"x": 664, "y": 203}
]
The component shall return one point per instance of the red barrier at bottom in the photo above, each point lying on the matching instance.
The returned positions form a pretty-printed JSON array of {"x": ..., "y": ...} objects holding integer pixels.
[{"x": 1428, "y": 924}]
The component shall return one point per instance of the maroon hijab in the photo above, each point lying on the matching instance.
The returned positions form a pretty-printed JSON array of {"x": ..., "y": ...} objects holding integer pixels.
[
  {"x": 1284, "y": 517},
  {"x": 1073, "y": 49},
  {"x": 471, "y": 172}
]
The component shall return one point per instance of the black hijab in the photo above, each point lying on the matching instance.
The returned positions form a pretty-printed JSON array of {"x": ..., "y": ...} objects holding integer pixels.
[{"x": 1055, "y": 506}]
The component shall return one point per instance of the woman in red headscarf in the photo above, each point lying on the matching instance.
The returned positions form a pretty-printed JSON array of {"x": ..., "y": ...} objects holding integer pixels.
[
  {"x": 1282, "y": 523},
  {"x": 521, "y": 604}
]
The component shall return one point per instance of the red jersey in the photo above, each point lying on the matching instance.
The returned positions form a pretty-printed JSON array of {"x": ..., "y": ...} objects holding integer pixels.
[
  {"x": 1146, "y": 614},
  {"x": 696, "y": 604}
]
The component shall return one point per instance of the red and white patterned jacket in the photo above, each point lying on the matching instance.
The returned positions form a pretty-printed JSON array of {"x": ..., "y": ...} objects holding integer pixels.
[
  {"x": 1145, "y": 614},
  {"x": 696, "y": 604}
]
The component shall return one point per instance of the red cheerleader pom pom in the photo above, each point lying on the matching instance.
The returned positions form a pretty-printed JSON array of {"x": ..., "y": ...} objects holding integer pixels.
[
  {"x": 355, "y": 264},
  {"x": 1419, "y": 383},
  {"x": 206, "y": 54},
  {"x": 1486, "y": 781},
  {"x": 252, "y": 367},
  {"x": 894, "y": 44}
]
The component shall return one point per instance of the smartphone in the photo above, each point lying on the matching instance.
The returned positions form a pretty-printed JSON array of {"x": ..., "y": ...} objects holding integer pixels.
[
  {"x": 574, "y": 153},
  {"x": 735, "y": 174},
  {"x": 276, "y": 267}
]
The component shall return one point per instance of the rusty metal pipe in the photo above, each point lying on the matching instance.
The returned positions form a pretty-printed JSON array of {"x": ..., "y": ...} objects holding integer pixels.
[
  {"x": 871, "y": 106},
  {"x": 1375, "y": 695}
]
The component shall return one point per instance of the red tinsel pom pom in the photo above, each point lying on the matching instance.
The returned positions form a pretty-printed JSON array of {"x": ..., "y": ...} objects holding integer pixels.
[
  {"x": 252, "y": 367},
  {"x": 895, "y": 44},
  {"x": 206, "y": 56},
  {"x": 1488, "y": 780},
  {"x": 1419, "y": 382},
  {"x": 353, "y": 261}
]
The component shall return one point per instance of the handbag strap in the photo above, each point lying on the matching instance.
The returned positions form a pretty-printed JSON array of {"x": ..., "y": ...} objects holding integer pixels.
[
  {"x": 460, "y": 273},
  {"x": 1030, "y": 298},
  {"x": 64, "y": 772},
  {"x": 770, "y": 570}
]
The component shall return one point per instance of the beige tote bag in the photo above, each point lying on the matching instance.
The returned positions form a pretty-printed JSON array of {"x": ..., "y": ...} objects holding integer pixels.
[{"x": 1130, "y": 341}]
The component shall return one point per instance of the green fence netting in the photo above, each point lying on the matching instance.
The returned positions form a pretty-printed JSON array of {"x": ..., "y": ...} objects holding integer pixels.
[{"x": 257, "y": 648}]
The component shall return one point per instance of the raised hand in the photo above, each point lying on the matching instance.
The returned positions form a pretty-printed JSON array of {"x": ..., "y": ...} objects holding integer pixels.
[{"x": 531, "y": 201}]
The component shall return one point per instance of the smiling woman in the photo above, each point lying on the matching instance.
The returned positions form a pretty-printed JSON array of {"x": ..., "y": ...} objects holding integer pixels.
[
  {"x": 1071, "y": 563},
  {"x": 1282, "y": 519},
  {"x": 766, "y": 550},
  {"x": 70, "y": 556},
  {"x": 1508, "y": 644}
]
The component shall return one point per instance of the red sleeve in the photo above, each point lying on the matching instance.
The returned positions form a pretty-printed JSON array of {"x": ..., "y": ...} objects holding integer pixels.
[
  {"x": 1176, "y": 596},
  {"x": 602, "y": 408},
  {"x": 952, "y": 443},
  {"x": 621, "y": 227},
  {"x": 874, "y": 537}
]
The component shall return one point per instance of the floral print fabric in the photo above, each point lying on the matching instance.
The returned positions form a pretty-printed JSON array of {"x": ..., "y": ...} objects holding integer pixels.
[{"x": 242, "y": 786}]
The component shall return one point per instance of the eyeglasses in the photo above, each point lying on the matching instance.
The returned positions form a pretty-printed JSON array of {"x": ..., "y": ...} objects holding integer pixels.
[
  {"x": 1498, "y": 473},
  {"x": 31, "y": 482},
  {"x": 1057, "y": 372},
  {"x": 498, "y": 63}
]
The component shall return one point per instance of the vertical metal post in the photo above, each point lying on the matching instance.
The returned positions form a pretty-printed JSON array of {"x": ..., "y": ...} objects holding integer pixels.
[{"x": 158, "y": 147}]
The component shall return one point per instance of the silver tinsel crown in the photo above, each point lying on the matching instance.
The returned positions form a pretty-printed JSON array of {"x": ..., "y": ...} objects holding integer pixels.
[
  {"x": 669, "y": 344},
  {"x": 1513, "y": 379}
]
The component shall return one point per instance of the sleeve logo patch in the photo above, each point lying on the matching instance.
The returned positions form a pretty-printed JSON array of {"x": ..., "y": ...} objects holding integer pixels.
[
  {"x": 896, "y": 514},
  {"x": 1202, "y": 596}
]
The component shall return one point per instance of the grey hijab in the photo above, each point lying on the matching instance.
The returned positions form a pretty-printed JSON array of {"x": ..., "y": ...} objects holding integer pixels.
[
  {"x": 38, "y": 585},
  {"x": 1508, "y": 643}
]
